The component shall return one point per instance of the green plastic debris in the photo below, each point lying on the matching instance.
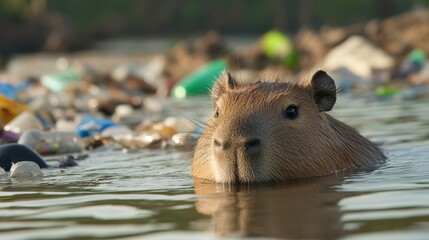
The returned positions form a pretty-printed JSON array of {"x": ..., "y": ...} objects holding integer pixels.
[
  {"x": 386, "y": 91},
  {"x": 418, "y": 56},
  {"x": 200, "y": 81},
  {"x": 60, "y": 81},
  {"x": 291, "y": 61},
  {"x": 277, "y": 46}
]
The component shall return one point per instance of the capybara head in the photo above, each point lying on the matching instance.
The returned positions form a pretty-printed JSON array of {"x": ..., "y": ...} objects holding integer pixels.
[{"x": 276, "y": 130}]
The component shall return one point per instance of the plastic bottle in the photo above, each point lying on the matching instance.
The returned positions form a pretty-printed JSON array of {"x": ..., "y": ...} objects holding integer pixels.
[
  {"x": 200, "y": 81},
  {"x": 46, "y": 142}
]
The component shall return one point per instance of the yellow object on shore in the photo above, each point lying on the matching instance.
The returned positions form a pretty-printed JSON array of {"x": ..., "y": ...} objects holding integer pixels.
[{"x": 9, "y": 109}]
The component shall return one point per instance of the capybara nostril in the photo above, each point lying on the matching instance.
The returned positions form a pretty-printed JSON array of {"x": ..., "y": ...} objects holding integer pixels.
[
  {"x": 252, "y": 144},
  {"x": 218, "y": 143}
]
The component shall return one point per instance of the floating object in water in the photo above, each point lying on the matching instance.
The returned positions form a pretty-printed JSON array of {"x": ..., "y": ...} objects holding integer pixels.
[
  {"x": 13, "y": 153},
  {"x": 68, "y": 161},
  {"x": 25, "y": 169}
]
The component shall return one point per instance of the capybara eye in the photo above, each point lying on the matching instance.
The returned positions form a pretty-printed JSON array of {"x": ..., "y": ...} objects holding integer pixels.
[
  {"x": 291, "y": 112},
  {"x": 216, "y": 114}
]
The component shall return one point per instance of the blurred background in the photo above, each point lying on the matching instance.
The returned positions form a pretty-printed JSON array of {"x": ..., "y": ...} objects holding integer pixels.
[
  {"x": 377, "y": 42},
  {"x": 69, "y": 25}
]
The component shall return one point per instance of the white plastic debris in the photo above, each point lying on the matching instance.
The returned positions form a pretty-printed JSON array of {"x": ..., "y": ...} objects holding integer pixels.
[
  {"x": 359, "y": 56},
  {"x": 25, "y": 169},
  {"x": 22, "y": 122}
]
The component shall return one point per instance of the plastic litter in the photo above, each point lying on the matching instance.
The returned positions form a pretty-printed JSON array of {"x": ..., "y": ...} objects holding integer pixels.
[
  {"x": 10, "y": 109},
  {"x": 8, "y": 90},
  {"x": 25, "y": 169},
  {"x": 200, "y": 81},
  {"x": 24, "y": 121},
  {"x": 60, "y": 81},
  {"x": 359, "y": 56},
  {"x": 50, "y": 142},
  {"x": 386, "y": 91},
  {"x": 279, "y": 47},
  {"x": 8, "y": 136},
  {"x": 414, "y": 62},
  {"x": 89, "y": 126}
]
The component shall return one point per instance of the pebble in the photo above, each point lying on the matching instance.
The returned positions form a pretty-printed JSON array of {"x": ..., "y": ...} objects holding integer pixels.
[
  {"x": 165, "y": 131},
  {"x": 184, "y": 141},
  {"x": 181, "y": 125},
  {"x": 143, "y": 140},
  {"x": 65, "y": 125},
  {"x": 122, "y": 111},
  {"x": 117, "y": 133}
]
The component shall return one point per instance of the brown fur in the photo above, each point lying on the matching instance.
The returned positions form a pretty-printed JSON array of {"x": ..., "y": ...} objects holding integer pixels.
[{"x": 313, "y": 144}]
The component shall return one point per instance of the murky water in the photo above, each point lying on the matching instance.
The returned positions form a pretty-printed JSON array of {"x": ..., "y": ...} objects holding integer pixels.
[{"x": 151, "y": 194}]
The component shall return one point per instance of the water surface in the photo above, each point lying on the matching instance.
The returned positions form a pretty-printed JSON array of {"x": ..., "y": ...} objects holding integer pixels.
[{"x": 150, "y": 194}]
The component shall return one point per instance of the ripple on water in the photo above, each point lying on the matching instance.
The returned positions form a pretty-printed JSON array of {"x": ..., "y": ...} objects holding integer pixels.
[{"x": 151, "y": 195}]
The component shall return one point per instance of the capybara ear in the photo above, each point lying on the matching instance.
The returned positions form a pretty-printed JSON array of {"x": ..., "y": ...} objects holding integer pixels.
[
  {"x": 324, "y": 91},
  {"x": 223, "y": 84}
]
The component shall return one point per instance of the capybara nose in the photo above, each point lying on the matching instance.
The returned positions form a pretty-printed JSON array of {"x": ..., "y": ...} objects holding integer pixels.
[{"x": 252, "y": 145}]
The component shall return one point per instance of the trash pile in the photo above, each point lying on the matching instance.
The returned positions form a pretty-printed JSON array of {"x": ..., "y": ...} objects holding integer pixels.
[
  {"x": 70, "y": 117},
  {"x": 387, "y": 58},
  {"x": 78, "y": 109}
]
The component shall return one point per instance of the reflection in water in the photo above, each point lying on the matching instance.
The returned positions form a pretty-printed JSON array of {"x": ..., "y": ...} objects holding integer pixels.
[{"x": 300, "y": 209}]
